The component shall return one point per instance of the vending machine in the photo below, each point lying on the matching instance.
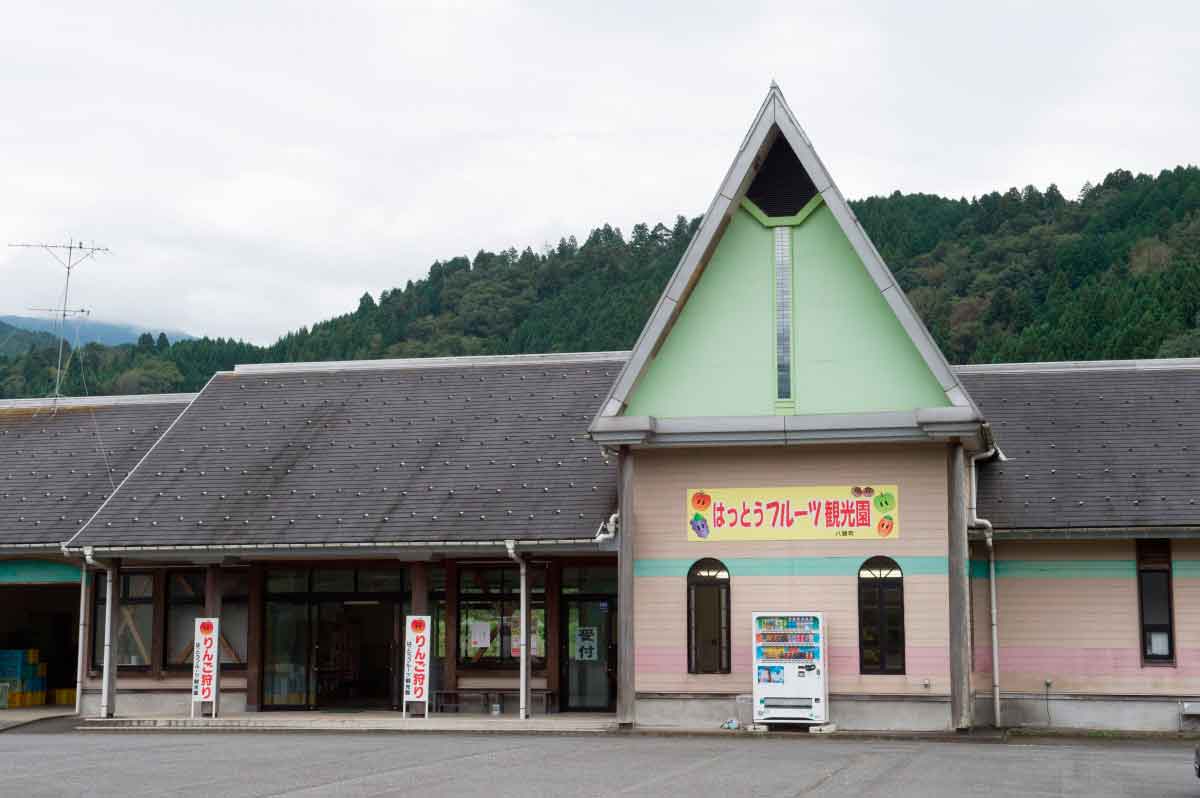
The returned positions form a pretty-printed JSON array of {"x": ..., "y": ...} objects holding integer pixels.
[{"x": 791, "y": 679}]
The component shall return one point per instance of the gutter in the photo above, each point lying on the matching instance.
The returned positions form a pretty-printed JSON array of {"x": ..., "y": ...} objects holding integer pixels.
[
  {"x": 398, "y": 544},
  {"x": 975, "y": 522}
]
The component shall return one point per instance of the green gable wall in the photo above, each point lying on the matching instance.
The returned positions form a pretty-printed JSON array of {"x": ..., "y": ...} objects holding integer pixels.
[
  {"x": 850, "y": 353},
  {"x": 718, "y": 358}
]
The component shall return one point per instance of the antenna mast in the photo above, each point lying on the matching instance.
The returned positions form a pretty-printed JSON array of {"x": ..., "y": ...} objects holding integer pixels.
[{"x": 76, "y": 253}]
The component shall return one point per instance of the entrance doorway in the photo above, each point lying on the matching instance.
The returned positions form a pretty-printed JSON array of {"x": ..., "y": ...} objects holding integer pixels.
[
  {"x": 333, "y": 637},
  {"x": 590, "y": 656},
  {"x": 354, "y": 654}
]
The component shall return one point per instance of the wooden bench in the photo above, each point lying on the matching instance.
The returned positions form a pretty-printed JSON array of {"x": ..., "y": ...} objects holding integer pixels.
[
  {"x": 444, "y": 699},
  {"x": 536, "y": 694}
]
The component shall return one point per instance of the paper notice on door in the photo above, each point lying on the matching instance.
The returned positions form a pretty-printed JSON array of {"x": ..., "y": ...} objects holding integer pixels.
[
  {"x": 481, "y": 634},
  {"x": 536, "y": 645},
  {"x": 587, "y": 644}
]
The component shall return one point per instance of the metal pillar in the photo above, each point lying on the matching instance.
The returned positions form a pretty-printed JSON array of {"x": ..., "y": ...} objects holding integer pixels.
[
  {"x": 81, "y": 659},
  {"x": 961, "y": 705},
  {"x": 524, "y": 639},
  {"x": 111, "y": 599}
]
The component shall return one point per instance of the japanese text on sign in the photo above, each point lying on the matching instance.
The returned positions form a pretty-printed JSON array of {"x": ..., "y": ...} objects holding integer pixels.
[
  {"x": 587, "y": 644},
  {"x": 416, "y": 658},
  {"x": 791, "y": 513},
  {"x": 206, "y": 656}
]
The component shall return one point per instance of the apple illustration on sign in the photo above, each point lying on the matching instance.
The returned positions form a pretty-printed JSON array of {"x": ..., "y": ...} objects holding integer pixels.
[
  {"x": 418, "y": 625},
  {"x": 206, "y": 627},
  {"x": 885, "y": 526}
]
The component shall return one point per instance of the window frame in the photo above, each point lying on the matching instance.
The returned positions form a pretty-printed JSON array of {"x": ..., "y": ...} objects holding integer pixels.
[
  {"x": 879, "y": 564},
  {"x": 507, "y": 596},
  {"x": 169, "y": 602},
  {"x": 1154, "y": 562},
  {"x": 99, "y": 607},
  {"x": 695, "y": 579}
]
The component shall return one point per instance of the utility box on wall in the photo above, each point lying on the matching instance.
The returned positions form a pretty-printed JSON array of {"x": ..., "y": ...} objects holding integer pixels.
[{"x": 791, "y": 683}]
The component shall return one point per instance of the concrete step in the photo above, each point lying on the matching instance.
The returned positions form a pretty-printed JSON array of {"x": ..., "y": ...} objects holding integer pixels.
[{"x": 558, "y": 724}]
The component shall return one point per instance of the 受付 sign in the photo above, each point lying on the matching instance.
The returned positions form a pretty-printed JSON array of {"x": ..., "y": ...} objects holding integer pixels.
[
  {"x": 834, "y": 512},
  {"x": 416, "y": 658},
  {"x": 206, "y": 662}
]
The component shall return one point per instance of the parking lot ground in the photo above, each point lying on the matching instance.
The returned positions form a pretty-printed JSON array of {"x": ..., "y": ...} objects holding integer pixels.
[{"x": 52, "y": 760}]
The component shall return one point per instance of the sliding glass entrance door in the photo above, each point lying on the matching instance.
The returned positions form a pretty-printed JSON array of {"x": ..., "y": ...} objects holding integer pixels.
[{"x": 590, "y": 656}]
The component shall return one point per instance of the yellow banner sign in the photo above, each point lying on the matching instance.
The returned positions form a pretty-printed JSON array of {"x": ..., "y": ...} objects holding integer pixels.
[{"x": 820, "y": 512}]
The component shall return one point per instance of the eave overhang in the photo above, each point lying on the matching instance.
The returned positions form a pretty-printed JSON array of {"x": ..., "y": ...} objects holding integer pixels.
[
  {"x": 1091, "y": 533},
  {"x": 932, "y": 424}
]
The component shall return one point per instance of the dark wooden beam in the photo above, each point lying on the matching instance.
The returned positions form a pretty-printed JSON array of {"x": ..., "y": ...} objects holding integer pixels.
[
  {"x": 553, "y": 624},
  {"x": 255, "y": 617},
  {"x": 450, "y": 666}
]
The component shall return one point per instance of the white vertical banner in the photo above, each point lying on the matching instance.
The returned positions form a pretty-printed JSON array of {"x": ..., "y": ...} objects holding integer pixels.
[
  {"x": 206, "y": 665},
  {"x": 417, "y": 631}
]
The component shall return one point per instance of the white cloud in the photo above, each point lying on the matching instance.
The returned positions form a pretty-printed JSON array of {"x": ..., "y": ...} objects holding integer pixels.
[{"x": 256, "y": 167}]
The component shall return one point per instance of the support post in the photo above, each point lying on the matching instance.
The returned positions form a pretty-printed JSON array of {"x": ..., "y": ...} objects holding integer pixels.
[
  {"x": 450, "y": 620},
  {"x": 81, "y": 661},
  {"x": 625, "y": 641},
  {"x": 961, "y": 705},
  {"x": 418, "y": 577},
  {"x": 112, "y": 598},
  {"x": 553, "y": 633},
  {"x": 256, "y": 612}
]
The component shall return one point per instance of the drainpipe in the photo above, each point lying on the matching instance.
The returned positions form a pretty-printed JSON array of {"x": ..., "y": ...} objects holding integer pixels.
[
  {"x": 109, "y": 672},
  {"x": 511, "y": 546},
  {"x": 608, "y": 529},
  {"x": 975, "y": 522}
]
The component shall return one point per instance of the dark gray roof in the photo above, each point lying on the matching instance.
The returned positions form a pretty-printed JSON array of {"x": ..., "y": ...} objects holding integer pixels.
[
  {"x": 456, "y": 449},
  {"x": 59, "y": 461},
  {"x": 1111, "y": 445}
]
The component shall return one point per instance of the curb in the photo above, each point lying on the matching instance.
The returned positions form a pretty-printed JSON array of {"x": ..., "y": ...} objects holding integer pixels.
[{"x": 23, "y": 723}]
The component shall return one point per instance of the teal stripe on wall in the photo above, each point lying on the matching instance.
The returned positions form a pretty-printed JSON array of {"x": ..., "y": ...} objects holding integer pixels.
[
  {"x": 1186, "y": 569},
  {"x": 792, "y": 566},
  {"x": 37, "y": 572},
  {"x": 1060, "y": 569}
]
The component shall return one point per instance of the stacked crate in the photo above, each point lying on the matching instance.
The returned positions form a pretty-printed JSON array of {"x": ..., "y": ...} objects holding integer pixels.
[{"x": 25, "y": 676}]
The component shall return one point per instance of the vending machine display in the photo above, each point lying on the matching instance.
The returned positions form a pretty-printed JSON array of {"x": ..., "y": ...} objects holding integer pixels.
[{"x": 790, "y": 677}]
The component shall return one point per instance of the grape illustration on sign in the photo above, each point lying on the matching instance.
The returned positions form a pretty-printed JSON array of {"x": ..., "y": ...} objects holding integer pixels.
[{"x": 819, "y": 512}]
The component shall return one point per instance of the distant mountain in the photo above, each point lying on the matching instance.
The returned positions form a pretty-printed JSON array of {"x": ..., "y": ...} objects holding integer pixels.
[
  {"x": 91, "y": 331},
  {"x": 16, "y": 341},
  {"x": 1020, "y": 276}
]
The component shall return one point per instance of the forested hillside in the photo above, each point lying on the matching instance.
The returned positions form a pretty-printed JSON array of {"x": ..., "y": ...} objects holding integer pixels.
[
  {"x": 15, "y": 341},
  {"x": 1021, "y": 276}
]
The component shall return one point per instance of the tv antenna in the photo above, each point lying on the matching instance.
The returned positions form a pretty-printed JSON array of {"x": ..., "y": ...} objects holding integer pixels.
[{"x": 75, "y": 252}]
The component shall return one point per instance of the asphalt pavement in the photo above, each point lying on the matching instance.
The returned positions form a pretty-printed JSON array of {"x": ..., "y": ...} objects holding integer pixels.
[{"x": 49, "y": 759}]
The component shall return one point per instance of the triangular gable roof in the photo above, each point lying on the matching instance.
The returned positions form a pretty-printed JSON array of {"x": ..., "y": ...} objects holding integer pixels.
[{"x": 775, "y": 119}]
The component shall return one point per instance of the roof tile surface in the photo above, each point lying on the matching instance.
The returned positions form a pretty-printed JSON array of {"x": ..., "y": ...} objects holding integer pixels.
[
  {"x": 57, "y": 465},
  {"x": 1091, "y": 447},
  {"x": 372, "y": 456}
]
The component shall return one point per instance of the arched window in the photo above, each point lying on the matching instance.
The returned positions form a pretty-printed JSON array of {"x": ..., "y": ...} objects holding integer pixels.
[
  {"x": 880, "y": 617},
  {"x": 708, "y": 617}
]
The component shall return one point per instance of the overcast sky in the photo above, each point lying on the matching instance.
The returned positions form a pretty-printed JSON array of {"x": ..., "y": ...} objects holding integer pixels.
[{"x": 257, "y": 166}]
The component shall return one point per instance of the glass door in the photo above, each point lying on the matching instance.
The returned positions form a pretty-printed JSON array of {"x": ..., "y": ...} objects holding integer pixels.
[
  {"x": 285, "y": 664},
  {"x": 590, "y": 657}
]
